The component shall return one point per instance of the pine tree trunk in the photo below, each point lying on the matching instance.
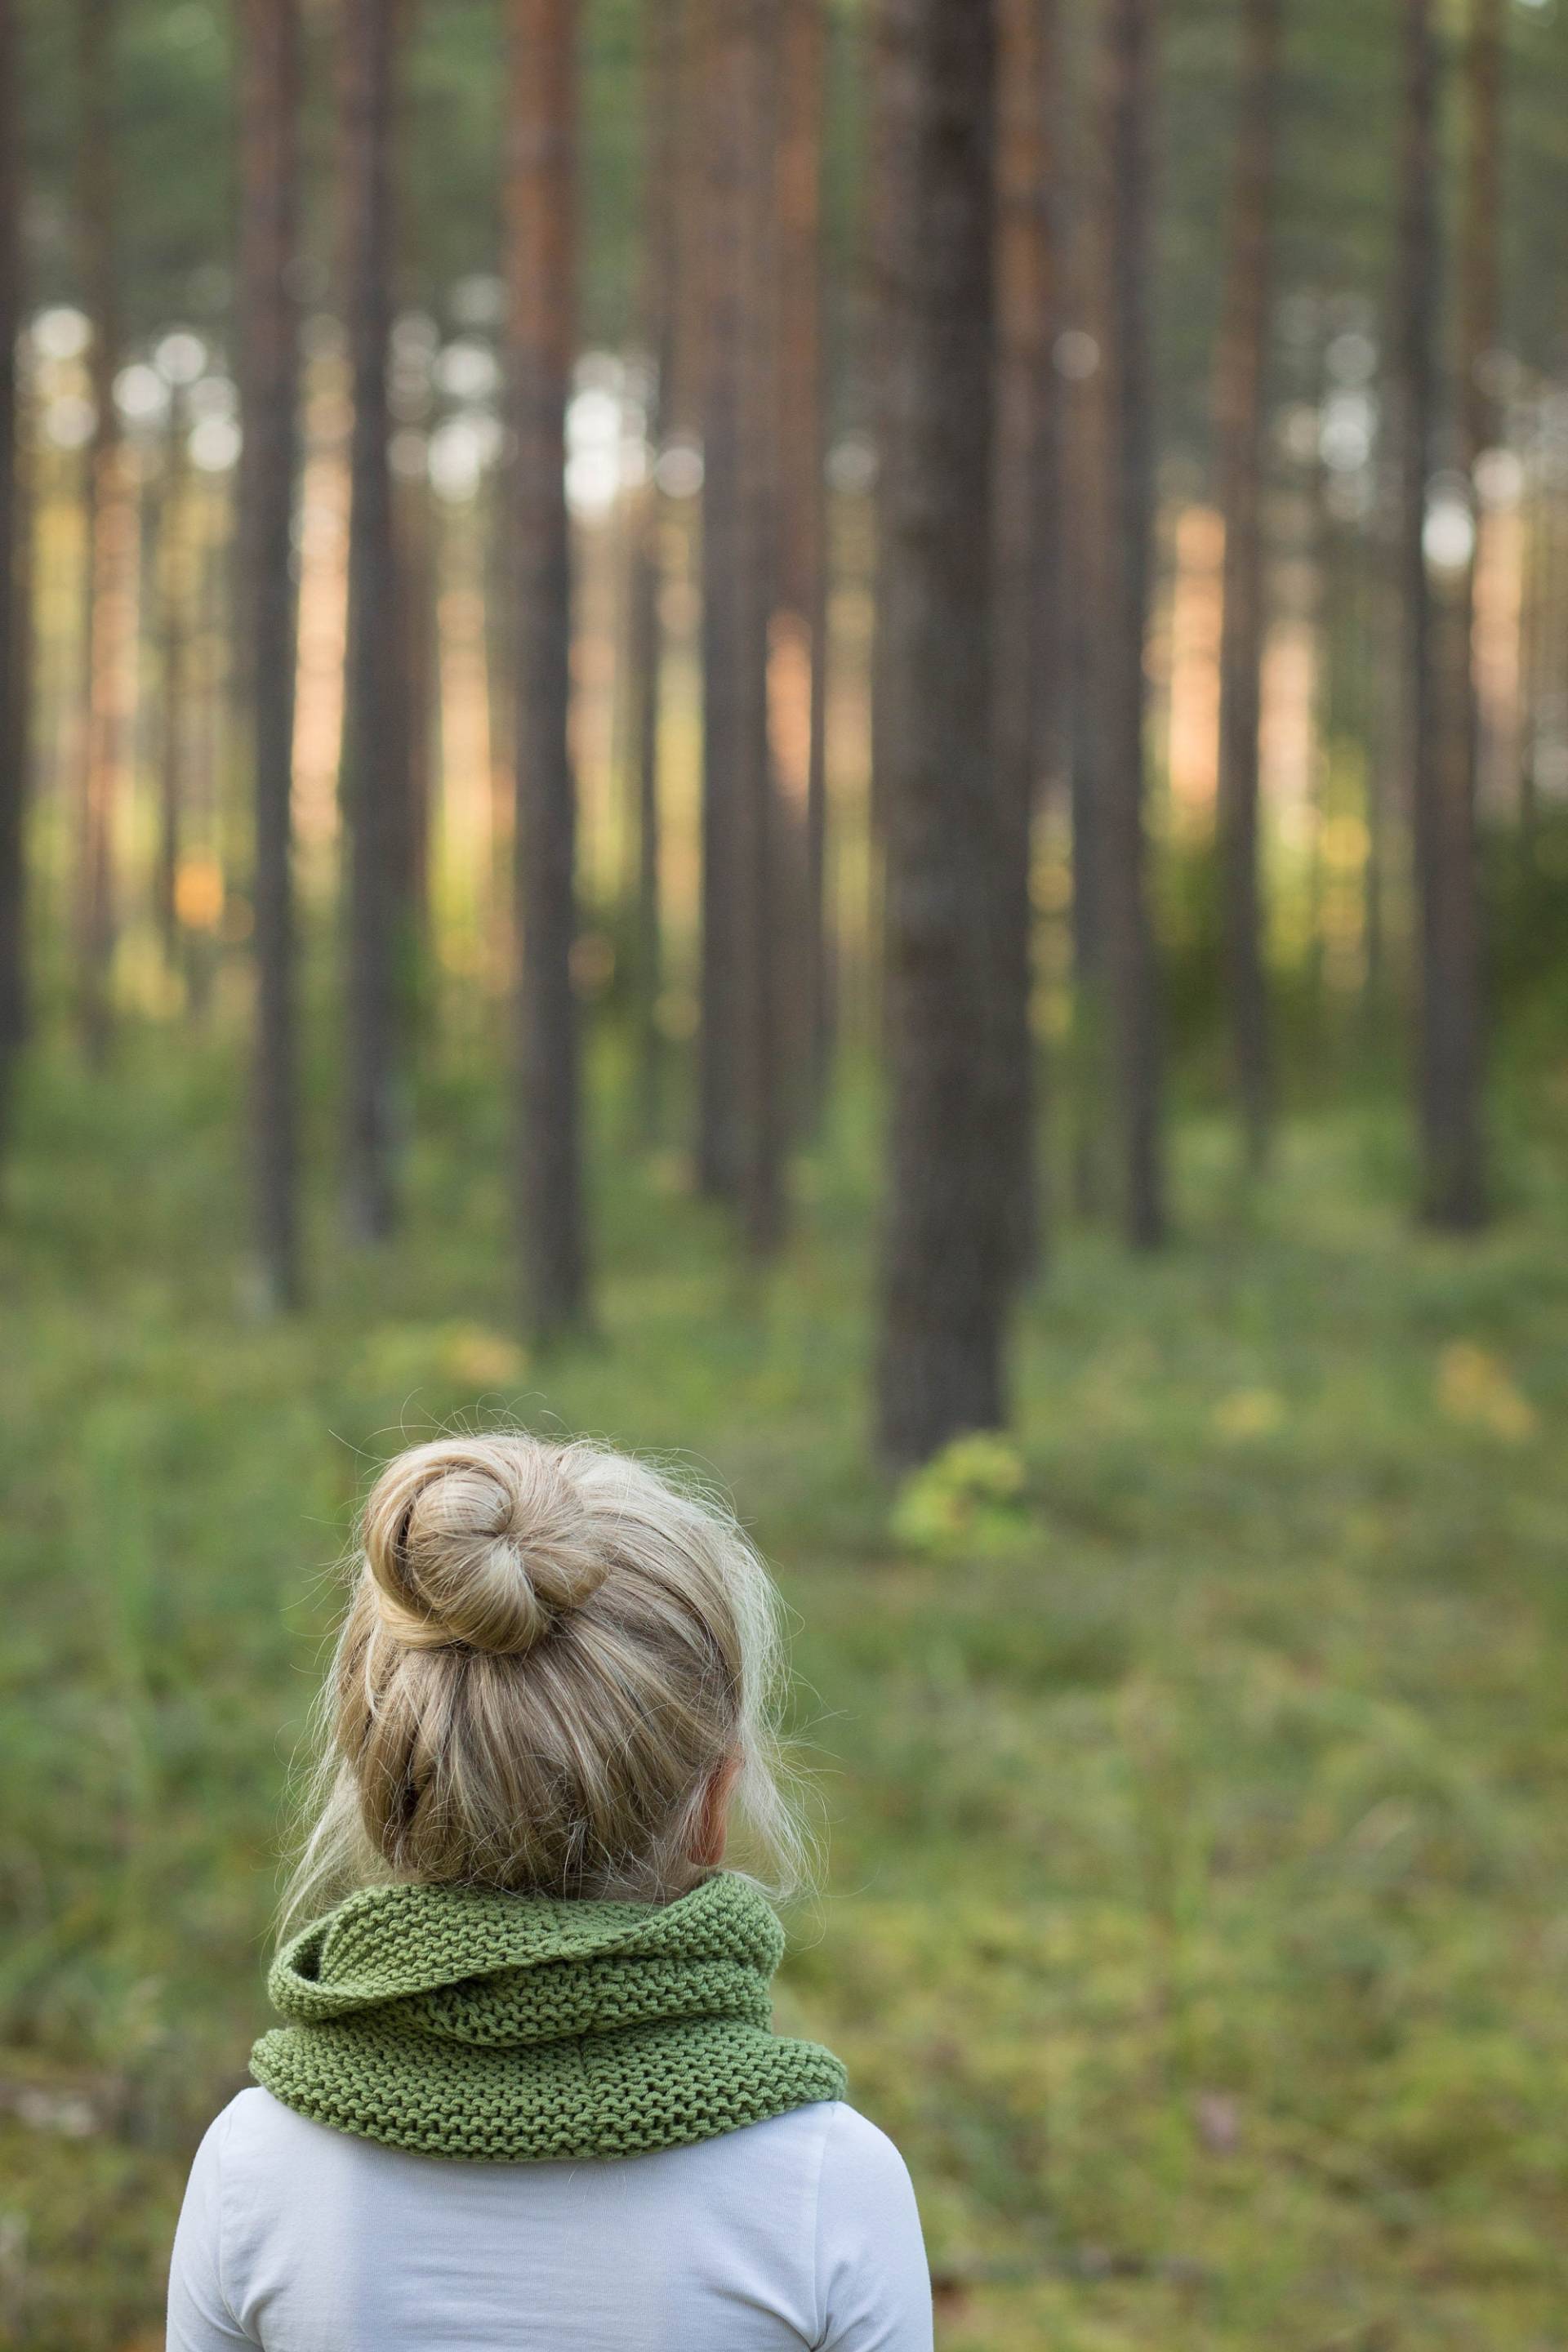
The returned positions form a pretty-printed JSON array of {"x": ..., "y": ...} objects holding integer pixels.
[
  {"x": 1440, "y": 771},
  {"x": 107, "y": 521},
  {"x": 754, "y": 76},
  {"x": 376, "y": 748},
  {"x": 1080, "y": 358},
  {"x": 1238, "y": 417},
  {"x": 739, "y": 1105},
  {"x": 1127, "y": 511},
  {"x": 891, "y": 132},
  {"x": 800, "y": 620},
  {"x": 1462, "y": 1192},
  {"x": 719, "y": 1130},
  {"x": 1028, "y": 525},
  {"x": 947, "y": 1240},
  {"x": 414, "y": 522},
  {"x": 175, "y": 553},
  {"x": 14, "y": 745},
  {"x": 541, "y": 189},
  {"x": 664, "y": 33},
  {"x": 268, "y": 371}
]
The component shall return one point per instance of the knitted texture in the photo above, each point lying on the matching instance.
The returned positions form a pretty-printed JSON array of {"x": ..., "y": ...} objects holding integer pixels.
[{"x": 459, "y": 2021}]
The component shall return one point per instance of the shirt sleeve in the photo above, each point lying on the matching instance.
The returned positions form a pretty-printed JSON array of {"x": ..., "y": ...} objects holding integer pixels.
[
  {"x": 873, "y": 2282},
  {"x": 199, "y": 2317}
]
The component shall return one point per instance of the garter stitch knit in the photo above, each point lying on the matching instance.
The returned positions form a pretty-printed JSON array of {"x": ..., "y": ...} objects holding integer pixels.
[{"x": 460, "y": 2021}]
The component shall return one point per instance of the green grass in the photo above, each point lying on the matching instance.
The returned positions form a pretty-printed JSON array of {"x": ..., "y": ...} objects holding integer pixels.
[{"x": 1198, "y": 1915}]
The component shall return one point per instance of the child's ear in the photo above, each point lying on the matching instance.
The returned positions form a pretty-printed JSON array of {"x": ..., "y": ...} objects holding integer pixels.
[{"x": 713, "y": 1819}]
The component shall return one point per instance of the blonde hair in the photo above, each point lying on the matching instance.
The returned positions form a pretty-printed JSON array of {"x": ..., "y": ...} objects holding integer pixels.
[{"x": 550, "y": 1651}]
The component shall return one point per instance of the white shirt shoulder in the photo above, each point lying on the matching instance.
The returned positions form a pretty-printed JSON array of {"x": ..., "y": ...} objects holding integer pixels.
[{"x": 799, "y": 2231}]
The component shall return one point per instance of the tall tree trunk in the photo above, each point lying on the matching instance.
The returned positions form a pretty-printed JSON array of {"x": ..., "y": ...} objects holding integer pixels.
[
  {"x": 890, "y": 134},
  {"x": 1463, "y": 1192},
  {"x": 107, "y": 522},
  {"x": 542, "y": 253},
  {"x": 664, "y": 33},
  {"x": 1079, "y": 359},
  {"x": 800, "y": 620},
  {"x": 740, "y": 1109},
  {"x": 268, "y": 374},
  {"x": 719, "y": 1127},
  {"x": 414, "y": 522},
  {"x": 1238, "y": 418},
  {"x": 1479, "y": 306},
  {"x": 14, "y": 747},
  {"x": 174, "y": 550},
  {"x": 1028, "y": 526},
  {"x": 946, "y": 1248},
  {"x": 1127, "y": 511},
  {"x": 1439, "y": 772},
  {"x": 752, "y": 73},
  {"x": 375, "y": 744}
]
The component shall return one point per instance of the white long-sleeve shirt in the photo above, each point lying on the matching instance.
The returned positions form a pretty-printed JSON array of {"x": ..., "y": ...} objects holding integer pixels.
[{"x": 798, "y": 2231}]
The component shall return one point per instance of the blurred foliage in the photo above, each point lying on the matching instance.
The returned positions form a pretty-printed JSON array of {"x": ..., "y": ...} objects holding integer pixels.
[
  {"x": 174, "y": 161},
  {"x": 1195, "y": 1763}
]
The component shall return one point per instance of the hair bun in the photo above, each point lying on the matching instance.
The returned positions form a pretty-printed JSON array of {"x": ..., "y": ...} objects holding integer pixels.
[{"x": 479, "y": 1540}]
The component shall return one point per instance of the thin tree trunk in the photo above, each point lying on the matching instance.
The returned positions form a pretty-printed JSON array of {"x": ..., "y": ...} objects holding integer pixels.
[
  {"x": 14, "y": 744},
  {"x": 893, "y": 101},
  {"x": 414, "y": 525},
  {"x": 375, "y": 747},
  {"x": 1238, "y": 417},
  {"x": 946, "y": 1247},
  {"x": 739, "y": 1142},
  {"x": 1028, "y": 528},
  {"x": 106, "y": 523},
  {"x": 664, "y": 33},
  {"x": 1453, "y": 1181},
  {"x": 1079, "y": 359},
  {"x": 1127, "y": 508},
  {"x": 752, "y": 72},
  {"x": 174, "y": 555},
  {"x": 268, "y": 370},
  {"x": 1478, "y": 304},
  {"x": 541, "y": 189},
  {"x": 719, "y": 1130},
  {"x": 800, "y": 620}
]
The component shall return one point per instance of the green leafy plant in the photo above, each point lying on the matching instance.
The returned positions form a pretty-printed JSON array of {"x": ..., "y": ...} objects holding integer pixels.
[{"x": 971, "y": 1496}]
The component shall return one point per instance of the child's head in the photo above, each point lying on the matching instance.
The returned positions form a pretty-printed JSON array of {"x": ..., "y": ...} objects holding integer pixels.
[{"x": 554, "y": 1665}]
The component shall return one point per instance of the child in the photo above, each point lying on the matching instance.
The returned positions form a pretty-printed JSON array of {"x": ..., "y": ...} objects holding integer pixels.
[{"x": 527, "y": 2093}]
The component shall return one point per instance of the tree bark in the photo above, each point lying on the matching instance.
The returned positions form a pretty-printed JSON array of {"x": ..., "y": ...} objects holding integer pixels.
[
  {"x": 1028, "y": 524},
  {"x": 719, "y": 1127},
  {"x": 13, "y": 743},
  {"x": 268, "y": 374},
  {"x": 175, "y": 564},
  {"x": 946, "y": 1248},
  {"x": 1079, "y": 359},
  {"x": 1238, "y": 418},
  {"x": 739, "y": 1105},
  {"x": 375, "y": 746},
  {"x": 800, "y": 620},
  {"x": 890, "y": 132},
  {"x": 1126, "y": 534},
  {"x": 414, "y": 534},
  {"x": 542, "y": 256},
  {"x": 1439, "y": 774},
  {"x": 752, "y": 74},
  {"x": 664, "y": 33},
  {"x": 108, "y": 520}
]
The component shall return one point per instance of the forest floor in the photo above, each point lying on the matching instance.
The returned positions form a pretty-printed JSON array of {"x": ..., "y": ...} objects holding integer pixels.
[{"x": 1196, "y": 1777}]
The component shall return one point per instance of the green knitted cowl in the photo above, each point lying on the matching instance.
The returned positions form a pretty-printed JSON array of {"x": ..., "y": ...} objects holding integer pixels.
[{"x": 459, "y": 2021}]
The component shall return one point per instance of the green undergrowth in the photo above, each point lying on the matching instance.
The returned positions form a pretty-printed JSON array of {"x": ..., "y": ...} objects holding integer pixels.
[{"x": 1193, "y": 1764}]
